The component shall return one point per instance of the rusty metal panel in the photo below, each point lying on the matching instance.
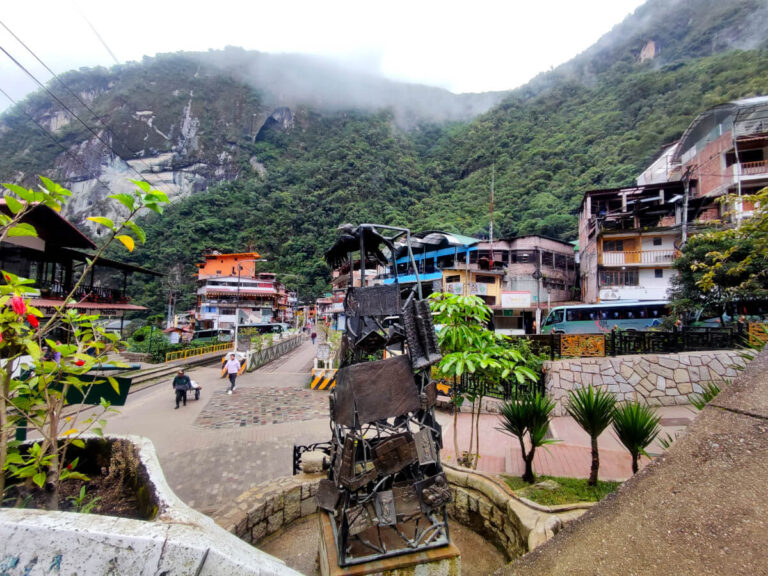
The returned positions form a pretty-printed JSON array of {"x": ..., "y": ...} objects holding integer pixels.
[
  {"x": 429, "y": 395},
  {"x": 375, "y": 391},
  {"x": 373, "y": 301},
  {"x": 433, "y": 492},
  {"x": 407, "y": 502},
  {"x": 394, "y": 453},
  {"x": 385, "y": 508},
  {"x": 327, "y": 496},
  {"x": 420, "y": 334},
  {"x": 359, "y": 519},
  {"x": 425, "y": 448}
]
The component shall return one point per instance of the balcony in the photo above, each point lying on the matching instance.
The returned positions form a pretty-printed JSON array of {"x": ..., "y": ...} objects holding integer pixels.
[
  {"x": 755, "y": 168},
  {"x": 639, "y": 258}
]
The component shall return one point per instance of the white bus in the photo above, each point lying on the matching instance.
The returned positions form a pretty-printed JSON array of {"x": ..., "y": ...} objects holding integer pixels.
[{"x": 604, "y": 317}]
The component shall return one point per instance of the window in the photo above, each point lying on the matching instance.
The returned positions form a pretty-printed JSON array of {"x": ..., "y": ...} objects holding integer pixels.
[
  {"x": 451, "y": 279},
  {"x": 547, "y": 259},
  {"x": 657, "y": 241},
  {"x": 560, "y": 261},
  {"x": 613, "y": 245},
  {"x": 555, "y": 317},
  {"x": 485, "y": 279},
  {"x": 619, "y": 277},
  {"x": 658, "y": 273}
]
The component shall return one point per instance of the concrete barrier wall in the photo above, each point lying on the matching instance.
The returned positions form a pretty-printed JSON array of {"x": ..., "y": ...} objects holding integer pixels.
[{"x": 656, "y": 379}]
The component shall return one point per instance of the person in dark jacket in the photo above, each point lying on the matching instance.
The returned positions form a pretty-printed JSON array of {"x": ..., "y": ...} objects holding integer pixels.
[{"x": 181, "y": 384}]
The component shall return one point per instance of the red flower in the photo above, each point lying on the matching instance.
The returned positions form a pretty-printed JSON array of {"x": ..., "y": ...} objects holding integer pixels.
[
  {"x": 1, "y": 336},
  {"x": 69, "y": 466},
  {"x": 33, "y": 321},
  {"x": 79, "y": 363},
  {"x": 18, "y": 305}
]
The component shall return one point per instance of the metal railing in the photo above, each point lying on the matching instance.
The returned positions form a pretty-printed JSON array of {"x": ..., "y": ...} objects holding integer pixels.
[
  {"x": 625, "y": 342},
  {"x": 192, "y": 352},
  {"x": 648, "y": 257},
  {"x": 265, "y": 356}
]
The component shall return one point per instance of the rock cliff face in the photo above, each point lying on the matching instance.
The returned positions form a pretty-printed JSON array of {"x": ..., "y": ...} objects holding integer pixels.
[{"x": 185, "y": 121}]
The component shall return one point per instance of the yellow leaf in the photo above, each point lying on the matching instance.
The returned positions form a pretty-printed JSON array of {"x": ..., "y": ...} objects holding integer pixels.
[
  {"x": 127, "y": 240},
  {"x": 70, "y": 431}
]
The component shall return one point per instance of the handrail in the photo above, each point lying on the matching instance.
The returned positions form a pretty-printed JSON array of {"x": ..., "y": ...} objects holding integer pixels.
[{"x": 191, "y": 352}]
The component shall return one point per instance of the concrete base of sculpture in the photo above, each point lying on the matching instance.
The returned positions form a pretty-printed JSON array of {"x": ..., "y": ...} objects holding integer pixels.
[{"x": 443, "y": 561}]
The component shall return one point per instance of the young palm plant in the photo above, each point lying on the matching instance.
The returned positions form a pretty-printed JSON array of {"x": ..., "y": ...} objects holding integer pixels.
[
  {"x": 592, "y": 409},
  {"x": 528, "y": 414},
  {"x": 636, "y": 425}
]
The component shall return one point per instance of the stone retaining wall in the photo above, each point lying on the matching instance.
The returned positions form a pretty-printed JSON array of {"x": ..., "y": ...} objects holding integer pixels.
[
  {"x": 514, "y": 525},
  {"x": 269, "y": 506},
  {"x": 483, "y": 503},
  {"x": 656, "y": 379}
]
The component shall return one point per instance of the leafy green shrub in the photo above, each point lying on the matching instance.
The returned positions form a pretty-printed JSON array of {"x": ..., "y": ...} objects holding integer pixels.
[{"x": 636, "y": 425}]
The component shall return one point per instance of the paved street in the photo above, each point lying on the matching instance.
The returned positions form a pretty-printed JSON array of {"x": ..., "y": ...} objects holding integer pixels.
[{"x": 218, "y": 447}]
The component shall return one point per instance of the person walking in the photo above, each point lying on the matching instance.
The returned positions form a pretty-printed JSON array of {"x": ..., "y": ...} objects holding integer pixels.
[
  {"x": 314, "y": 337},
  {"x": 232, "y": 367},
  {"x": 181, "y": 384}
]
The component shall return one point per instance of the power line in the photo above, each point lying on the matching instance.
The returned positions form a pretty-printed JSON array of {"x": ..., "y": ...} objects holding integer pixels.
[
  {"x": 75, "y": 95},
  {"x": 93, "y": 29},
  {"x": 75, "y": 116}
]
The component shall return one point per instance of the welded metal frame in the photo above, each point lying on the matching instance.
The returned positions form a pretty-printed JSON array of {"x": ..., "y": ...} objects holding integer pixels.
[{"x": 362, "y": 487}]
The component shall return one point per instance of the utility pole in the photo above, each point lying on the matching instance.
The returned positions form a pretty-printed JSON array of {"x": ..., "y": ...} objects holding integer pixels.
[{"x": 686, "y": 193}]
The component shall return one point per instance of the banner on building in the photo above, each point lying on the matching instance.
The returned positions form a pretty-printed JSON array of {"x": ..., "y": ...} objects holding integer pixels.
[{"x": 515, "y": 299}]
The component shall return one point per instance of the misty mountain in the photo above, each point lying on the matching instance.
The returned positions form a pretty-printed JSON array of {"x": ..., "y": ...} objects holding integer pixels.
[{"x": 274, "y": 151}]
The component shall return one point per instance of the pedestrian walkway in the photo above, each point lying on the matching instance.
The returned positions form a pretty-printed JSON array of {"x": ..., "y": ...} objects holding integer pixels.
[
  {"x": 216, "y": 448},
  {"x": 212, "y": 450}
]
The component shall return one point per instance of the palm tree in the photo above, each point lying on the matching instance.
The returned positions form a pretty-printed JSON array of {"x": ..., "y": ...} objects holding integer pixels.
[
  {"x": 636, "y": 425},
  {"x": 592, "y": 408},
  {"x": 529, "y": 414}
]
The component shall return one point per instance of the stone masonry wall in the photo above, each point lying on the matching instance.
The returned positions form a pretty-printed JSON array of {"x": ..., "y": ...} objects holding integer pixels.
[
  {"x": 269, "y": 506},
  {"x": 656, "y": 379},
  {"x": 484, "y": 504}
]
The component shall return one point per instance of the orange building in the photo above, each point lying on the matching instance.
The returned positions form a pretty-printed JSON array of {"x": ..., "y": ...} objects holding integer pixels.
[{"x": 230, "y": 292}]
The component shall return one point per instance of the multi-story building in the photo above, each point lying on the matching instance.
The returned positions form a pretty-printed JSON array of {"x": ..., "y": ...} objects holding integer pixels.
[
  {"x": 629, "y": 237},
  {"x": 725, "y": 151},
  {"x": 518, "y": 278},
  {"x": 56, "y": 258},
  {"x": 230, "y": 291},
  {"x": 628, "y": 241}
]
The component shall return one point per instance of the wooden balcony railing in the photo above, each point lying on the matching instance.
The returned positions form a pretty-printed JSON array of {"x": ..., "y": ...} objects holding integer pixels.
[
  {"x": 639, "y": 257},
  {"x": 754, "y": 168}
]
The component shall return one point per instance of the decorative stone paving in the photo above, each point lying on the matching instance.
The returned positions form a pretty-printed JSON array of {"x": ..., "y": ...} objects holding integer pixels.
[{"x": 261, "y": 407}]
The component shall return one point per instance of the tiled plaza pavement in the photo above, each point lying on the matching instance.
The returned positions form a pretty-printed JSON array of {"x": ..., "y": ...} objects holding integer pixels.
[{"x": 257, "y": 407}]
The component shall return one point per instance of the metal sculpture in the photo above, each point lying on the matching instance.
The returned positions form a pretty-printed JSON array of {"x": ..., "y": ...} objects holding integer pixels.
[{"x": 386, "y": 491}]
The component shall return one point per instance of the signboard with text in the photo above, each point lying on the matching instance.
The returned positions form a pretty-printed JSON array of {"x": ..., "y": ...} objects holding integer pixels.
[{"x": 516, "y": 300}]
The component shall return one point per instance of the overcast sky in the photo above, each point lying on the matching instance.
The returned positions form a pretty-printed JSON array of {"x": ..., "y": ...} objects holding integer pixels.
[{"x": 466, "y": 46}]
